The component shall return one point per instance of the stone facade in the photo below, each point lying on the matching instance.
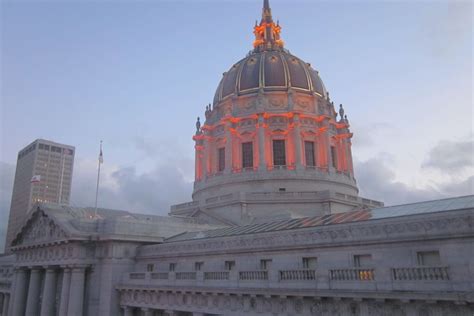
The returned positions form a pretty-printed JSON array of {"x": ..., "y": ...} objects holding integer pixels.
[{"x": 412, "y": 260}]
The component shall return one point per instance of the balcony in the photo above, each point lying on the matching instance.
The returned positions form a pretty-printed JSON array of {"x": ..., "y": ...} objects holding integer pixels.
[
  {"x": 214, "y": 276},
  {"x": 297, "y": 275},
  {"x": 424, "y": 279},
  {"x": 352, "y": 274},
  {"x": 259, "y": 275},
  {"x": 420, "y": 274},
  {"x": 185, "y": 275}
]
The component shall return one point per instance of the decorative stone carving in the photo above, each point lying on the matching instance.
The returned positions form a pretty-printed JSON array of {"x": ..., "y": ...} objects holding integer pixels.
[{"x": 40, "y": 228}]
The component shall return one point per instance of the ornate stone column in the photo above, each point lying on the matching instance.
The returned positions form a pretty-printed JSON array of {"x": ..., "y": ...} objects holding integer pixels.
[
  {"x": 297, "y": 141},
  {"x": 49, "y": 292},
  {"x": 147, "y": 312},
  {"x": 19, "y": 296},
  {"x": 32, "y": 302},
  {"x": 261, "y": 142},
  {"x": 76, "y": 292},
  {"x": 66, "y": 284}
]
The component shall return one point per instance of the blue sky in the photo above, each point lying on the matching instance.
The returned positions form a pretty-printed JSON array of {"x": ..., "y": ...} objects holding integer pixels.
[{"x": 137, "y": 73}]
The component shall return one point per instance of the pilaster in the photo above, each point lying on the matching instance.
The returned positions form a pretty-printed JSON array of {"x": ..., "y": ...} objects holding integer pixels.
[
  {"x": 228, "y": 149},
  {"x": 297, "y": 141},
  {"x": 261, "y": 142}
]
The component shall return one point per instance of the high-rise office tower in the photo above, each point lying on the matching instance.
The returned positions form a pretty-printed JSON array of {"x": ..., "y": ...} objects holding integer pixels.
[{"x": 43, "y": 174}]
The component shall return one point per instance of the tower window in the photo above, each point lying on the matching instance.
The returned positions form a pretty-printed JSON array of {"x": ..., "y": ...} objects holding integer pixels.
[
  {"x": 247, "y": 155},
  {"x": 309, "y": 153},
  {"x": 333, "y": 156},
  {"x": 221, "y": 159},
  {"x": 279, "y": 156}
]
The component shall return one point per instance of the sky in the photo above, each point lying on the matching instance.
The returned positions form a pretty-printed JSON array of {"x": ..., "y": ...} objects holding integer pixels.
[{"x": 136, "y": 74}]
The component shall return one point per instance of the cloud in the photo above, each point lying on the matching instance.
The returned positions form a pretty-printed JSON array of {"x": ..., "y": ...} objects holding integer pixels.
[
  {"x": 377, "y": 180},
  {"x": 451, "y": 156},
  {"x": 124, "y": 188}
]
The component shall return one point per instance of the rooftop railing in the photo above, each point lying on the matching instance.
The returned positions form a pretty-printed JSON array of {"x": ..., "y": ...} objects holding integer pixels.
[
  {"x": 356, "y": 274},
  {"x": 420, "y": 274}
]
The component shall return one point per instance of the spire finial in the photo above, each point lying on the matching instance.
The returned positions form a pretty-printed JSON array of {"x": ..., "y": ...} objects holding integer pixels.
[
  {"x": 266, "y": 12},
  {"x": 267, "y": 33}
]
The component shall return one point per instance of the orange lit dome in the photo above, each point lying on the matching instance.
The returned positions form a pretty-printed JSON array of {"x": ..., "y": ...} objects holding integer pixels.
[{"x": 270, "y": 70}]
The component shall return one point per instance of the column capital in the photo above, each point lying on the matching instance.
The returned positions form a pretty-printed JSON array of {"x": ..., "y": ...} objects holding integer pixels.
[
  {"x": 35, "y": 269},
  {"x": 50, "y": 268},
  {"x": 79, "y": 267}
]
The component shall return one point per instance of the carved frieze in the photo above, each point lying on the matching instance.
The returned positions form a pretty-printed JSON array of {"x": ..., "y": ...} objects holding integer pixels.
[
  {"x": 239, "y": 304},
  {"x": 320, "y": 235}
]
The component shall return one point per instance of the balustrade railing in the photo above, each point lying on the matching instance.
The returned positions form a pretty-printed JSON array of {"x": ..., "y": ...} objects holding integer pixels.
[
  {"x": 420, "y": 274},
  {"x": 159, "y": 276},
  {"x": 137, "y": 276},
  {"x": 352, "y": 274},
  {"x": 219, "y": 275},
  {"x": 185, "y": 275},
  {"x": 297, "y": 275},
  {"x": 253, "y": 275}
]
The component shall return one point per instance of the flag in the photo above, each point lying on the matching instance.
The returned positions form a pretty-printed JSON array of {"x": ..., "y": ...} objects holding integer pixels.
[
  {"x": 101, "y": 156},
  {"x": 67, "y": 151},
  {"x": 36, "y": 179}
]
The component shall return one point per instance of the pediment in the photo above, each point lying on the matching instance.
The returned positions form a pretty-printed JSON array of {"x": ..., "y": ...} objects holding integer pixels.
[{"x": 39, "y": 229}]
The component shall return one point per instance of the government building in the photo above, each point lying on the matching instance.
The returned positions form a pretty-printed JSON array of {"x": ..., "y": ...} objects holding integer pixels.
[{"x": 275, "y": 225}]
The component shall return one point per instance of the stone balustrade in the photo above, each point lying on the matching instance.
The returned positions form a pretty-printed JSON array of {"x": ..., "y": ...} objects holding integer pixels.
[
  {"x": 297, "y": 275},
  {"x": 159, "y": 276},
  {"x": 420, "y": 274},
  {"x": 367, "y": 274},
  {"x": 258, "y": 275},
  {"x": 137, "y": 276},
  {"x": 185, "y": 275},
  {"x": 219, "y": 275}
]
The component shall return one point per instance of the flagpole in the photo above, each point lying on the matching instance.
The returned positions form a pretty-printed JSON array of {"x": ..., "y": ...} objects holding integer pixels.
[{"x": 98, "y": 178}]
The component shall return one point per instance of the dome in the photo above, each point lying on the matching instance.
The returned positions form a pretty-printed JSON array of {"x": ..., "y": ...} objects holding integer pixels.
[{"x": 270, "y": 70}]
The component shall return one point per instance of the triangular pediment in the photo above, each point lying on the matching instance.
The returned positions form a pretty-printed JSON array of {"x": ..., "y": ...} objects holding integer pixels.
[{"x": 39, "y": 228}]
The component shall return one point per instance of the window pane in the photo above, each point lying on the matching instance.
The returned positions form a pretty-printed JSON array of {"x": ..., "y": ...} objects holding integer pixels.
[
  {"x": 279, "y": 157},
  {"x": 221, "y": 159},
  {"x": 429, "y": 258},
  {"x": 247, "y": 155},
  {"x": 333, "y": 156},
  {"x": 309, "y": 153},
  {"x": 362, "y": 260}
]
